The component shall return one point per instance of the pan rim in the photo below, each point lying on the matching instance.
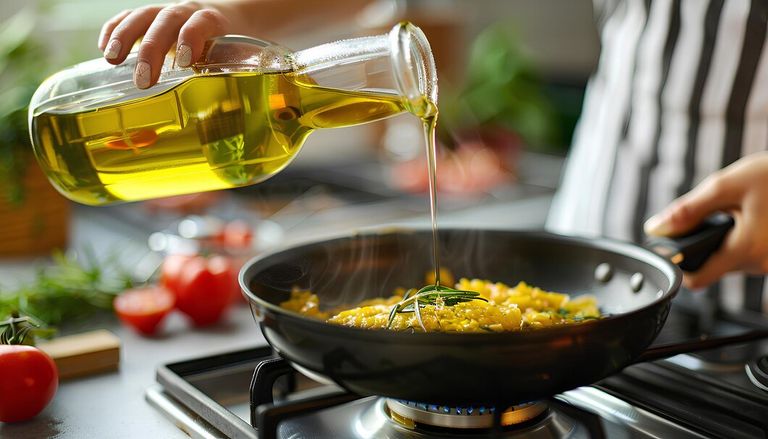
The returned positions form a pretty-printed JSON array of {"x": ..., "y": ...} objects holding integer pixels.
[{"x": 642, "y": 254}]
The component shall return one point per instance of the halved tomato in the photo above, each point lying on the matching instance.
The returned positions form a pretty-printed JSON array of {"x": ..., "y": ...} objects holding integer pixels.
[{"x": 144, "y": 308}]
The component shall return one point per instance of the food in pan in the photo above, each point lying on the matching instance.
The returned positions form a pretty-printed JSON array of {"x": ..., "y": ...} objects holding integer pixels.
[{"x": 472, "y": 306}]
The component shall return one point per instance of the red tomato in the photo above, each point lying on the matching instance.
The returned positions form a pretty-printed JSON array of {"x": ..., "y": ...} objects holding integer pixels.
[
  {"x": 144, "y": 308},
  {"x": 170, "y": 273},
  {"x": 204, "y": 287},
  {"x": 237, "y": 234},
  {"x": 28, "y": 381}
]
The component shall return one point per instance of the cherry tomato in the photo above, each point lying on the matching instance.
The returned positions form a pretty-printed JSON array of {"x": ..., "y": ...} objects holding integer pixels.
[
  {"x": 144, "y": 308},
  {"x": 237, "y": 234},
  {"x": 204, "y": 287},
  {"x": 170, "y": 273},
  {"x": 28, "y": 381}
]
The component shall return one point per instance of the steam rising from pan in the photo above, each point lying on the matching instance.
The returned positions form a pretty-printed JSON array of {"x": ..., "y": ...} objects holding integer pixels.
[{"x": 347, "y": 270}]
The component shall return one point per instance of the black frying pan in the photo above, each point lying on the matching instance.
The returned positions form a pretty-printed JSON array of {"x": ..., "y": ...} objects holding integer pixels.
[{"x": 465, "y": 369}]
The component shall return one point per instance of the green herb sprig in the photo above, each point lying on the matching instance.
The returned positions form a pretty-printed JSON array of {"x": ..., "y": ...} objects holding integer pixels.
[
  {"x": 437, "y": 295},
  {"x": 22, "y": 330},
  {"x": 70, "y": 290}
]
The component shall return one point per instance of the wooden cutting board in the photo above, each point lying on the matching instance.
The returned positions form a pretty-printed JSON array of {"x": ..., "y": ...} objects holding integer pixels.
[{"x": 84, "y": 354}]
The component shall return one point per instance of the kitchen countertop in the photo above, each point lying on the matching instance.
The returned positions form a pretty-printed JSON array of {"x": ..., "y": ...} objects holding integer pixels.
[{"x": 112, "y": 404}]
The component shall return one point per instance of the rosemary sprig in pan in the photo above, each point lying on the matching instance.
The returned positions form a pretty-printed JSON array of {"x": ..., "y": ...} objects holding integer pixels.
[{"x": 437, "y": 295}]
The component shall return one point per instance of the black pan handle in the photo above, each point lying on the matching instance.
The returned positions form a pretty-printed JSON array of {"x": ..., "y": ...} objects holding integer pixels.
[
  {"x": 690, "y": 251},
  {"x": 670, "y": 350}
]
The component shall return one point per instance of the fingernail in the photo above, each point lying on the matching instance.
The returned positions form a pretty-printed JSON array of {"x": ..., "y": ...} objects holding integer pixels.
[
  {"x": 112, "y": 50},
  {"x": 141, "y": 74},
  {"x": 657, "y": 225},
  {"x": 183, "y": 56}
]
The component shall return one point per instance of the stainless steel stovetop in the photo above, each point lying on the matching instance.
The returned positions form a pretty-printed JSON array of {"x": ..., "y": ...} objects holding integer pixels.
[{"x": 706, "y": 395}]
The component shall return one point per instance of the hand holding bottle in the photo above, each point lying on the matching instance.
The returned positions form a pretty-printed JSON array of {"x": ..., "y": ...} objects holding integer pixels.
[{"x": 187, "y": 25}]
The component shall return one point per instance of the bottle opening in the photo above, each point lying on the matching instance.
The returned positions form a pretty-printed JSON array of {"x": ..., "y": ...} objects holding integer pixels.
[{"x": 414, "y": 66}]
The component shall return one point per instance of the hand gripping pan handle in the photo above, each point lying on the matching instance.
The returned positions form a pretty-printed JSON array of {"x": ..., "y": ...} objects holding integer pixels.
[{"x": 691, "y": 250}]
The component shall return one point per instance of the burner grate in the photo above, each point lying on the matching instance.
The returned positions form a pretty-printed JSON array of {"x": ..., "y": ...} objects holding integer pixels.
[
  {"x": 713, "y": 409},
  {"x": 212, "y": 392}
]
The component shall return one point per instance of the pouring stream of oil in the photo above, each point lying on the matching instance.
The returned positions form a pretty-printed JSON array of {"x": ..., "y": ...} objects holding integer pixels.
[
  {"x": 427, "y": 111},
  {"x": 430, "y": 123}
]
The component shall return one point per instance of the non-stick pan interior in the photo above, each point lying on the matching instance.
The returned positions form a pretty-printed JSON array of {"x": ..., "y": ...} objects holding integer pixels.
[{"x": 347, "y": 270}]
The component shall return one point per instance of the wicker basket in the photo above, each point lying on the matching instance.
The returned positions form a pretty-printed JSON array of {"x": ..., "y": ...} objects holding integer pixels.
[{"x": 39, "y": 223}]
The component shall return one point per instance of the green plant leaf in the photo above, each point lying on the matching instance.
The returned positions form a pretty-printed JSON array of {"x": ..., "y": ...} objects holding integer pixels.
[
  {"x": 502, "y": 89},
  {"x": 14, "y": 32}
]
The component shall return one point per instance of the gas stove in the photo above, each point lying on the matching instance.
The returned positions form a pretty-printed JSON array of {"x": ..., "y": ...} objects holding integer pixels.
[{"x": 721, "y": 393}]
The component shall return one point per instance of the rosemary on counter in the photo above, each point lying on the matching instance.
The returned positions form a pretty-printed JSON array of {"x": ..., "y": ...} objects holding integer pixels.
[
  {"x": 70, "y": 290},
  {"x": 437, "y": 295}
]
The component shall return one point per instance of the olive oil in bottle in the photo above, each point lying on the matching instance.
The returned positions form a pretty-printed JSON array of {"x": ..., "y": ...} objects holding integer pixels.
[{"x": 206, "y": 133}]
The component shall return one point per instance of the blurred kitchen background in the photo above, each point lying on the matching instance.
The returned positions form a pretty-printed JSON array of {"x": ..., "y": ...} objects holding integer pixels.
[{"x": 511, "y": 74}]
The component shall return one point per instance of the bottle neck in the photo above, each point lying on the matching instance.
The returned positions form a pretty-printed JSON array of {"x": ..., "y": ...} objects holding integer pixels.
[
  {"x": 413, "y": 64},
  {"x": 400, "y": 62}
]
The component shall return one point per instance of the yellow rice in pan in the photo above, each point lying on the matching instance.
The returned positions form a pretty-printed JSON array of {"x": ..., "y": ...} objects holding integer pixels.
[{"x": 507, "y": 309}]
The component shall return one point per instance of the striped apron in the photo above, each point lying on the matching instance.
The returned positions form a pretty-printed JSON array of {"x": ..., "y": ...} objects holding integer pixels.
[{"x": 681, "y": 90}]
